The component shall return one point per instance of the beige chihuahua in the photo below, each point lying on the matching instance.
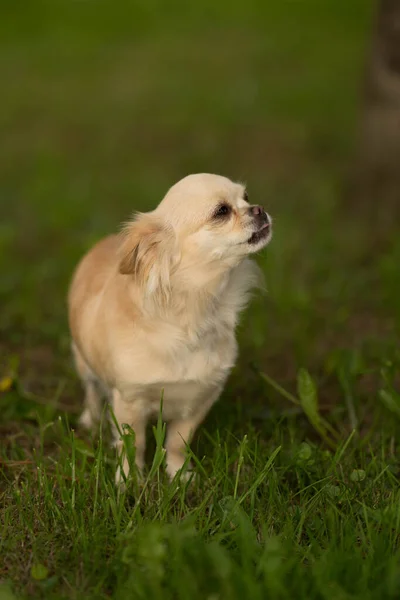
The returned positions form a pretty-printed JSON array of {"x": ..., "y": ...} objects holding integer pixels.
[{"x": 153, "y": 310}]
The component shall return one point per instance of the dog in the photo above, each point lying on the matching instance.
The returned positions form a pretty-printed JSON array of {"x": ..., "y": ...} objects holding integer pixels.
[{"x": 153, "y": 311}]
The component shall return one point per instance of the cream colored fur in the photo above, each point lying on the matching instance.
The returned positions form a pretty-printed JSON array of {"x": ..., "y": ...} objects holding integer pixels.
[{"x": 153, "y": 311}]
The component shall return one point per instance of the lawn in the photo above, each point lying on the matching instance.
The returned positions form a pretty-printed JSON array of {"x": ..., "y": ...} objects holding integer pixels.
[{"x": 103, "y": 107}]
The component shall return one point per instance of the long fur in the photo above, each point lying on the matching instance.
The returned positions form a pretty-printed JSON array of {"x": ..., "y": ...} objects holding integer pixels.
[
  {"x": 147, "y": 250},
  {"x": 153, "y": 310}
]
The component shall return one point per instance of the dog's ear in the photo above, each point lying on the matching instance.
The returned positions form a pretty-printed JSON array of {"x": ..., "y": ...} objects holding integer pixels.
[{"x": 147, "y": 251}]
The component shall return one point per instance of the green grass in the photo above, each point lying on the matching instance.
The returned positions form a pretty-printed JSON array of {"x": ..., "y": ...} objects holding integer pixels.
[{"x": 297, "y": 467}]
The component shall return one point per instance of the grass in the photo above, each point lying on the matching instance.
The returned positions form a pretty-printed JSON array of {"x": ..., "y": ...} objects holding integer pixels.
[{"x": 297, "y": 471}]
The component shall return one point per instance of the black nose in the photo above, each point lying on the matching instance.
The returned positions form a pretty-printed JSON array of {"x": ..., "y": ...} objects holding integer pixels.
[{"x": 259, "y": 213}]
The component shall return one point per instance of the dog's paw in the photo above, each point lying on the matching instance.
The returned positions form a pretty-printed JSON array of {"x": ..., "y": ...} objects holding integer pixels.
[
  {"x": 86, "y": 420},
  {"x": 188, "y": 476},
  {"x": 120, "y": 482},
  {"x": 183, "y": 475}
]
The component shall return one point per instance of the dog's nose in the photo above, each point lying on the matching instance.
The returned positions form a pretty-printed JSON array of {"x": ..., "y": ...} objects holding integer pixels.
[
  {"x": 259, "y": 213},
  {"x": 256, "y": 210}
]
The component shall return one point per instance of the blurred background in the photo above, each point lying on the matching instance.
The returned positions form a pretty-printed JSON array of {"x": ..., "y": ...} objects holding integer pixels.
[{"x": 105, "y": 105}]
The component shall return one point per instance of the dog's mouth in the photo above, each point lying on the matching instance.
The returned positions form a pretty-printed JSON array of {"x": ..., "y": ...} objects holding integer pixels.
[{"x": 260, "y": 234}]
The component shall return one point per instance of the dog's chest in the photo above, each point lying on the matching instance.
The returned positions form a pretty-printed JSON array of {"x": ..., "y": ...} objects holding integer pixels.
[
  {"x": 185, "y": 375},
  {"x": 172, "y": 356},
  {"x": 204, "y": 357}
]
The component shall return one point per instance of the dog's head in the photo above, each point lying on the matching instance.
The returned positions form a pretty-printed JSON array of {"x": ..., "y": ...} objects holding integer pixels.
[{"x": 204, "y": 226}]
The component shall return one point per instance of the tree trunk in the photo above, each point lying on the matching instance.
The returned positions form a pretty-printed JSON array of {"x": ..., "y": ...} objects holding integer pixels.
[{"x": 377, "y": 177}]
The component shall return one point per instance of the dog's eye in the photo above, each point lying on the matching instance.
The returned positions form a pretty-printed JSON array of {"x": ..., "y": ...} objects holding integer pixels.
[
  {"x": 245, "y": 196},
  {"x": 223, "y": 210}
]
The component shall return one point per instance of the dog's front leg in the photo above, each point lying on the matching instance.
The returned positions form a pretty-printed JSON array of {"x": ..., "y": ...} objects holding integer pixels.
[
  {"x": 180, "y": 433},
  {"x": 130, "y": 411}
]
